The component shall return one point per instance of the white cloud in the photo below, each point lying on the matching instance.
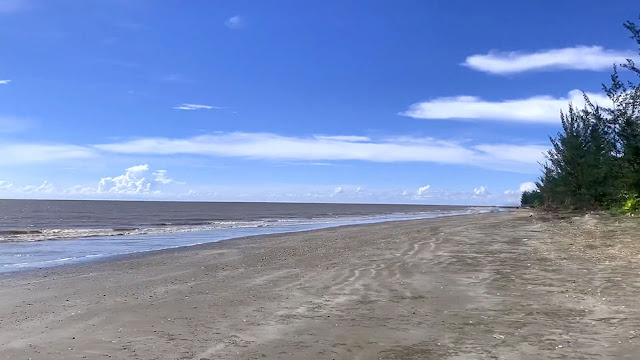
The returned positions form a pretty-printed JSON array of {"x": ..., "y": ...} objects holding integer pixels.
[
  {"x": 5, "y": 82},
  {"x": 594, "y": 58},
  {"x": 346, "y": 138},
  {"x": 321, "y": 164},
  {"x": 346, "y": 194},
  {"x": 481, "y": 191},
  {"x": 135, "y": 181},
  {"x": 311, "y": 150},
  {"x": 162, "y": 178},
  {"x": 6, "y": 185},
  {"x": 138, "y": 183},
  {"x": 80, "y": 190},
  {"x": 268, "y": 146},
  {"x": 19, "y": 154},
  {"x": 523, "y": 153},
  {"x": 195, "y": 107},
  {"x": 537, "y": 109},
  {"x": 513, "y": 196},
  {"x": 528, "y": 186},
  {"x": 429, "y": 195},
  {"x": 337, "y": 191},
  {"x": 234, "y": 22},
  {"x": 46, "y": 187},
  {"x": 422, "y": 190}
]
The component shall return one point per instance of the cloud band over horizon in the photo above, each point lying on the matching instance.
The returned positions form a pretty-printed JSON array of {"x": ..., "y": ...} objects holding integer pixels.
[
  {"x": 274, "y": 147},
  {"x": 268, "y": 146}
]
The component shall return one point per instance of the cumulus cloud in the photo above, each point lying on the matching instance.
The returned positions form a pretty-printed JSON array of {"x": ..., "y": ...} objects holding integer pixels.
[
  {"x": 481, "y": 191},
  {"x": 29, "y": 191},
  {"x": 234, "y": 22},
  {"x": 423, "y": 190},
  {"x": 138, "y": 183},
  {"x": 6, "y": 185},
  {"x": 20, "y": 154},
  {"x": 161, "y": 177},
  {"x": 5, "y": 82},
  {"x": 337, "y": 191},
  {"x": 185, "y": 106},
  {"x": 528, "y": 186},
  {"x": 593, "y": 58},
  {"x": 269, "y": 146},
  {"x": 513, "y": 196},
  {"x": 537, "y": 109},
  {"x": 135, "y": 181},
  {"x": 435, "y": 196},
  {"x": 46, "y": 187}
]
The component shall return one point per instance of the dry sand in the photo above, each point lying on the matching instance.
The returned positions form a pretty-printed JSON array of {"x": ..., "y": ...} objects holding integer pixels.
[{"x": 507, "y": 286}]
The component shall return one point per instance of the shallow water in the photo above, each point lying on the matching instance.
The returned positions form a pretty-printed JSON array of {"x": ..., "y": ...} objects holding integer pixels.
[{"x": 36, "y": 234}]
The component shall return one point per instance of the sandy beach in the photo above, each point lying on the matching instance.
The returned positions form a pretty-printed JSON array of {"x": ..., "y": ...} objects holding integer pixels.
[{"x": 511, "y": 285}]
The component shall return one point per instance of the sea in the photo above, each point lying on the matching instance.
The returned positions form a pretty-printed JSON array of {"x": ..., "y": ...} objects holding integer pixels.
[{"x": 45, "y": 233}]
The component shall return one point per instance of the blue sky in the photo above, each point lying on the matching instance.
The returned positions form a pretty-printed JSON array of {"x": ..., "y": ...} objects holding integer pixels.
[{"x": 349, "y": 101}]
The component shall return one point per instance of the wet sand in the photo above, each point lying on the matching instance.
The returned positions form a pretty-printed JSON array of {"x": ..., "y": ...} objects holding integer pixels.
[{"x": 507, "y": 285}]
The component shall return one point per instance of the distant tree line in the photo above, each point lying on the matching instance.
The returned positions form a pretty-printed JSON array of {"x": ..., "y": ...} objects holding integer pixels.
[{"x": 594, "y": 162}]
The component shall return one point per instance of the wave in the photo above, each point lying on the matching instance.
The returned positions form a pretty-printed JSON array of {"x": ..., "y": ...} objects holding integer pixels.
[
  {"x": 32, "y": 235},
  {"x": 35, "y": 235},
  {"x": 21, "y": 235}
]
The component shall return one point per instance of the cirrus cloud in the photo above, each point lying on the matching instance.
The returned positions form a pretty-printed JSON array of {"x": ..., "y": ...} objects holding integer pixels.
[
  {"x": 522, "y": 158},
  {"x": 268, "y": 146},
  {"x": 19, "y": 154},
  {"x": 185, "y": 106}
]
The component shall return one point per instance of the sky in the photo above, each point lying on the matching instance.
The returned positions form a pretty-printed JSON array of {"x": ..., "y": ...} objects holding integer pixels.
[{"x": 430, "y": 102}]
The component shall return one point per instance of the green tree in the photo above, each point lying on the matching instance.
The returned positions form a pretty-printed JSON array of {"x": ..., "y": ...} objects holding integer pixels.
[
  {"x": 577, "y": 171},
  {"x": 625, "y": 119},
  {"x": 532, "y": 198},
  {"x": 594, "y": 161}
]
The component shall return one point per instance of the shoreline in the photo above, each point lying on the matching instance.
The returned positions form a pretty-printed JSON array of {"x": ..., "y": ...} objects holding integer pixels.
[
  {"x": 506, "y": 285},
  {"x": 284, "y": 230}
]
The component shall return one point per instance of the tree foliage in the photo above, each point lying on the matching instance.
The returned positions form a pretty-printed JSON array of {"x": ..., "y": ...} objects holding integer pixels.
[
  {"x": 594, "y": 161},
  {"x": 531, "y": 198}
]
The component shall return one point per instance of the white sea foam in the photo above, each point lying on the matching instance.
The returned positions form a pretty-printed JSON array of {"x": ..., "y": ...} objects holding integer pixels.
[
  {"x": 51, "y": 247},
  {"x": 33, "y": 235}
]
